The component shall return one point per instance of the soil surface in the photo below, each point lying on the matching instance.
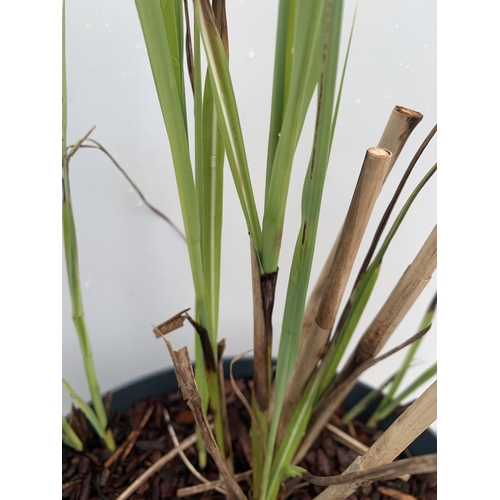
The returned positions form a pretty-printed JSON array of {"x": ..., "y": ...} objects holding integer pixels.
[{"x": 92, "y": 475}]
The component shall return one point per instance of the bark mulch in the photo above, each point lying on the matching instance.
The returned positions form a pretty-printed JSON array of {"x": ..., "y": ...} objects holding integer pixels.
[{"x": 86, "y": 476}]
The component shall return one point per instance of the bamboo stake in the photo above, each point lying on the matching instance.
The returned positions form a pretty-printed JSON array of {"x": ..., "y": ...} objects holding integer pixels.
[
  {"x": 413, "y": 422},
  {"x": 370, "y": 181},
  {"x": 423, "y": 464},
  {"x": 354, "y": 445},
  {"x": 402, "y": 298},
  {"x": 400, "y": 125},
  {"x": 333, "y": 397}
]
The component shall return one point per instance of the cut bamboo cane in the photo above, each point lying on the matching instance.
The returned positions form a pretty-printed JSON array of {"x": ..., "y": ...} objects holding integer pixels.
[
  {"x": 370, "y": 181},
  {"x": 423, "y": 464},
  {"x": 333, "y": 397},
  {"x": 413, "y": 422},
  {"x": 399, "y": 127},
  {"x": 402, "y": 298}
]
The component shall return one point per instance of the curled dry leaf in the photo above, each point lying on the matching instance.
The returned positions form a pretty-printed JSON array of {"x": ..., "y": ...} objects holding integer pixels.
[
  {"x": 171, "y": 324},
  {"x": 185, "y": 377}
]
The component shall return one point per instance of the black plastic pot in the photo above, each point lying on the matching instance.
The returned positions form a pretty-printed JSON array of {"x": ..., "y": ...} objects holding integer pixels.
[{"x": 163, "y": 382}]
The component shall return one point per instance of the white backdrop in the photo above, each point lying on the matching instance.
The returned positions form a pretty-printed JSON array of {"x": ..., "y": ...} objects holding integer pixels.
[{"x": 134, "y": 268}]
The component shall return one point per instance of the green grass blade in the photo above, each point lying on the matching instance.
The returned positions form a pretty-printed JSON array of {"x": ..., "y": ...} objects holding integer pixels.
[
  {"x": 70, "y": 437},
  {"x": 64, "y": 86},
  {"x": 363, "y": 403},
  {"x": 337, "y": 349},
  {"x": 166, "y": 87},
  {"x": 282, "y": 69},
  {"x": 412, "y": 350},
  {"x": 172, "y": 17},
  {"x": 71, "y": 254},
  {"x": 229, "y": 122},
  {"x": 294, "y": 433},
  {"x": 212, "y": 171},
  {"x": 200, "y": 374},
  {"x": 391, "y": 405},
  {"x": 159, "y": 53},
  {"x": 311, "y": 203},
  {"x": 308, "y": 29},
  {"x": 86, "y": 409}
]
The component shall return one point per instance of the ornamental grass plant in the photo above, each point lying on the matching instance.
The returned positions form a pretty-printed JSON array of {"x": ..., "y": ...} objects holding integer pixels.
[{"x": 188, "y": 47}]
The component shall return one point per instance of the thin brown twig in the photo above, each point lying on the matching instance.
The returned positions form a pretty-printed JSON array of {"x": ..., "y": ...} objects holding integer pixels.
[
  {"x": 183, "y": 456},
  {"x": 157, "y": 466},
  {"x": 70, "y": 484},
  {"x": 158, "y": 212},
  {"x": 127, "y": 445},
  {"x": 78, "y": 144},
  {"x": 200, "y": 488}
]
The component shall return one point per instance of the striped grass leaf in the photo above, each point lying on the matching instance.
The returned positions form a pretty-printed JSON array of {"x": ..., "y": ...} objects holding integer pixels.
[
  {"x": 412, "y": 350},
  {"x": 227, "y": 113},
  {"x": 160, "y": 57},
  {"x": 172, "y": 16},
  {"x": 70, "y": 437},
  {"x": 89, "y": 413},
  {"x": 200, "y": 374},
  {"x": 410, "y": 355},
  {"x": 166, "y": 87},
  {"x": 281, "y": 80},
  {"x": 384, "y": 411},
  {"x": 311, "y": 203},
  {"x": 300, "y": 418},
  {"x": 305, "y": 38}
]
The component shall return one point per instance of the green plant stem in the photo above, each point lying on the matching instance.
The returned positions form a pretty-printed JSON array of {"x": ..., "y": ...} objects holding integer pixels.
[
  {"x": 308, "y": 30},
  {"x": 363, "y": 403},
  {"x": 71, "y": 253},
  {"x": 200, "y": 374},
  {"x": 311, "y": 203},
  {"x": 384, "y": 411},
  {"x": 70, "y": 437},
  {"x": 412, "y": 350},
  {"x": 92, "y": 417},
  {"x": 164, "y": 73}
]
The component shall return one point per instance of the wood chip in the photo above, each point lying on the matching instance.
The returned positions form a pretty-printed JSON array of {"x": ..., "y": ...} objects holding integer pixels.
[{"x": 397, "y": 495}]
